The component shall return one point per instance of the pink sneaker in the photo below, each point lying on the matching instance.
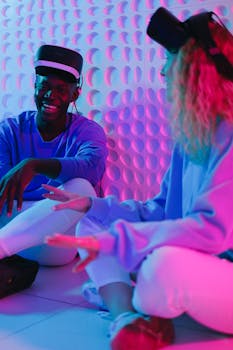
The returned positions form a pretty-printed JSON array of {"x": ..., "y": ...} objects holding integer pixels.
[{"x": 144, "y": 333}]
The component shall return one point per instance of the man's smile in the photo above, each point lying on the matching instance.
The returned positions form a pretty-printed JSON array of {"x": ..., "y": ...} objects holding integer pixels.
[{"x": 49, "y": 108}]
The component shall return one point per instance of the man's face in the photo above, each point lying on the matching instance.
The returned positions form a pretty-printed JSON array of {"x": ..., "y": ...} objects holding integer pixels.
[{"x": 52, "y": 97}]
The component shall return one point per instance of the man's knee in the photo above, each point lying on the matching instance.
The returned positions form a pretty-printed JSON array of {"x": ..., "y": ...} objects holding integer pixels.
[
  {"x": 87, "y": 227},
  {"x": 80, "y": 186}
]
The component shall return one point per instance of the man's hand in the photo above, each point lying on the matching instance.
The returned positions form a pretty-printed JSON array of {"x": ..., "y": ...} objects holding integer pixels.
[
  {"x": 13, "y": 184},
  {"x": 69, "y": 200},
  {"x": 89, "y": 243}
]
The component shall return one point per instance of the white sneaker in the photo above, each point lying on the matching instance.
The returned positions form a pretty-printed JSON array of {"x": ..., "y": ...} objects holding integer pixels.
[{"x": 90, "y": 293}]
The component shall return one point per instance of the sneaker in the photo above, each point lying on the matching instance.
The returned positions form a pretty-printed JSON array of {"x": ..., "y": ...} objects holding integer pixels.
[
  {"x": 90, "y": 293},
  {"x": 16, "y": 274},
  {"x": 133, "y": 331}
]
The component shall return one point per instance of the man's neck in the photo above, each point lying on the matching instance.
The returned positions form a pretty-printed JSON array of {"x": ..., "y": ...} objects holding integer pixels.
[{"x": 50, "y": 130}]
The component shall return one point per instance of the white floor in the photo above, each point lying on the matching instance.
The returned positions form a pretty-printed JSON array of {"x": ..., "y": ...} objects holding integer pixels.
[{"x": 52, "y": 315}]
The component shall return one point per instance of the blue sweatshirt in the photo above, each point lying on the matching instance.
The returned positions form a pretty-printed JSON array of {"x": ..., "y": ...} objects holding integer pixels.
[
  {"x": 194, "y": 208},
  {"x": 81, "y": 149}
]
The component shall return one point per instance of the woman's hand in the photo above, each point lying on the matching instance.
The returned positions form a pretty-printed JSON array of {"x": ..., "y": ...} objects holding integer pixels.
[
  {"x": 89, "y": 243},
  {"x": 69, "y": 200}
]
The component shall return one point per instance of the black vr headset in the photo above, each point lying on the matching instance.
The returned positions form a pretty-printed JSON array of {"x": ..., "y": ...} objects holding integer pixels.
[{"x": 172, "y": 34}]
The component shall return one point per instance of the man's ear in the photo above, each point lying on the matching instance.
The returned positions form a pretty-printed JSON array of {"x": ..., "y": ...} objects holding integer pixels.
[{"x": 76, "y": 93}]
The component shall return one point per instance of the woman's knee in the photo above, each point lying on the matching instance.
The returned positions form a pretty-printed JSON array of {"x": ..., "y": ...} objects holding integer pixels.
[
  {"x": 157, "y": 279},
  {"x": 160, "y": 265}
]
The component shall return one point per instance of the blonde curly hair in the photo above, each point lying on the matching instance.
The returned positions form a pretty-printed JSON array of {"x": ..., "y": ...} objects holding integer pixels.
[{"x": 201, "y": 96}]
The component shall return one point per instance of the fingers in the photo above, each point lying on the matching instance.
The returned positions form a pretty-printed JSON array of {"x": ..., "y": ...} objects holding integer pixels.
[
  {"x": 54, "y": 193},
  {"x": 57, "y": 194},
  {"x": 7, "y": 197},
  {"x": 50, "y": 188},
  {"x": 10, "y": 201},
  {"x": 53, "y": 190},
  {"x": 64, "y": 241},
  {"x": 3, "y": 194},
  {"x": 55, "y": 197},
  {"x": 72, "y": 204},
  {"x": 69, "y": 200},
  {"x": 19, "y": 198},
  {"x": 3, "y": 197},
  {"x": 81, "y": 204},
  {"x": 89, "y": 243},
  {"x": 12, "y": 187},
  {"x": 80, "y": 266}
]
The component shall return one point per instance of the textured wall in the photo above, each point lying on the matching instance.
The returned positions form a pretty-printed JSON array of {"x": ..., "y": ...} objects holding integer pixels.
[{"x": 122, "y": 89}]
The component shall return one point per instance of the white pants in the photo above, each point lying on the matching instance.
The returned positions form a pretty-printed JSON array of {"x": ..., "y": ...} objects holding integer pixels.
[
  {"x": 37, "y": 220},
  {"x": 172, "y": 281},
  {"x": 104, "y": 269}
]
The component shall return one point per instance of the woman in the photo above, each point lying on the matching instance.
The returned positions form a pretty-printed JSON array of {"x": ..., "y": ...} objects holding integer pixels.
[{"x": 173, "y": 241}]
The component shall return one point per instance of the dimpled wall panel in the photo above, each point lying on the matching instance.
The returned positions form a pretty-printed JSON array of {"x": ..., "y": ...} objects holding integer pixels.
[{"x": 122, "y": 89}]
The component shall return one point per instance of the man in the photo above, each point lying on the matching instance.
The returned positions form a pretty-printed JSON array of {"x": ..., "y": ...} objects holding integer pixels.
[{"x": 50, "y": 146}]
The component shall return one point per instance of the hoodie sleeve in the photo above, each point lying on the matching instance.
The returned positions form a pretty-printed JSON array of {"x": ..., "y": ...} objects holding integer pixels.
[
  {"x": 109, "y": 209},
  {"x": 88, "y": 161}
]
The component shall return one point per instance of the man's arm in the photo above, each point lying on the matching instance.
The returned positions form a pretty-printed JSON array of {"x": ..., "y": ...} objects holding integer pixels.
[{"x": 86, "y": 159}]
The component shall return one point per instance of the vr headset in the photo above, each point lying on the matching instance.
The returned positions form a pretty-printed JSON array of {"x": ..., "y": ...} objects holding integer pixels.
[{"x": 172, "y": 34}]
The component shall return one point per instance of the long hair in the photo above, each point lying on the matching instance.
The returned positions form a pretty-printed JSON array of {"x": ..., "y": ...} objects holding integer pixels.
[{"x": 201, "y": 96}]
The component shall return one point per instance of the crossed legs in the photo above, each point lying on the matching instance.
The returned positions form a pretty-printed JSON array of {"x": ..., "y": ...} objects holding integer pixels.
[
  {"x": 171, "y": 281},
  {"x": 26, "y": 232}
]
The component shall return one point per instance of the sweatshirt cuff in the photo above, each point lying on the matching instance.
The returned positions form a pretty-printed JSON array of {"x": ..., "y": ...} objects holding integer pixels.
[
  {"x": 65, "y": 164},
  {"x": 99, "y": 209}
]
